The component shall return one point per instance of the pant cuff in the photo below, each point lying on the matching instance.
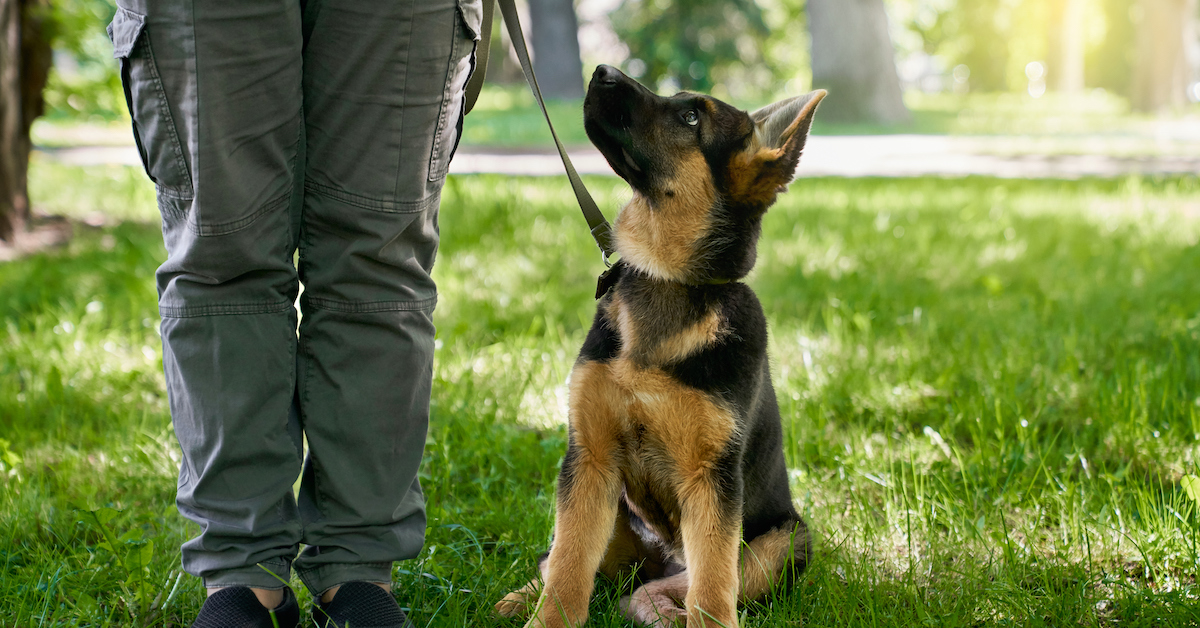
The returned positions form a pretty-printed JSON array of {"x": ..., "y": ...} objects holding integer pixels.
[
  {"x": 325, "y": 577},
  {"x": 271, "y": 574}
]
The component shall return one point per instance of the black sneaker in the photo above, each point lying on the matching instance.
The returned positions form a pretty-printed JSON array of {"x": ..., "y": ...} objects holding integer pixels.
[
  {"x": 360, "y": 605},
  {"x": 238, "y": 607}
]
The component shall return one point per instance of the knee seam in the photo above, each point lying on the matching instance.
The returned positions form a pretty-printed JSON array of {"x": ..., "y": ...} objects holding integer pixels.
[
  {"x": 222, "y": 228},
  {"x": 224, "y": 309},
  {"x": 367, "y": 307}
]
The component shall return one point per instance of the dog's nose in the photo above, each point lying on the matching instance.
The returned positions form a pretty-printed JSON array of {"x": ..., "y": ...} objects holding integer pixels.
[{"x": 606, "y": 74}]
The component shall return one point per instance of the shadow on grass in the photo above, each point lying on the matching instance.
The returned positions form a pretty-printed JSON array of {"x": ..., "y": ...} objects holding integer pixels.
[{"x": 1063, "y": 320}]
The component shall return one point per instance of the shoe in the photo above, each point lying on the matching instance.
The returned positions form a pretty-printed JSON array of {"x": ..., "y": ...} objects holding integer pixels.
[
  {"x": 360, "y": 605},
  {"x": 238, "y": 607}
]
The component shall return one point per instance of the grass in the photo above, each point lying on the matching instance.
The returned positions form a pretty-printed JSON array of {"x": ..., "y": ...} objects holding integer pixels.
[{"x": 991, "y": 391}]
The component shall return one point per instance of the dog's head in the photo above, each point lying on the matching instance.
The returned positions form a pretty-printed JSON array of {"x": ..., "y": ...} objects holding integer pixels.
[{"x": 702, "y": 172}]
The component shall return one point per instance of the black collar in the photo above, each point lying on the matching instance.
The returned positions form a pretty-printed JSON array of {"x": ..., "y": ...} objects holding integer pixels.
[{"x": 612, "y": 275}]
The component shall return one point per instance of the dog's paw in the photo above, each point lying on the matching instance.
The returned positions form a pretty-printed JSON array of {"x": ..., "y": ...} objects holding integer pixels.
[
  {"x": 655, "y": 611},
  {"x": 515, "y": 604}
]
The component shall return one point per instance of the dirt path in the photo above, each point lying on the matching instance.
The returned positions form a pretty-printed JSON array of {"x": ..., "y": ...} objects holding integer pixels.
[{"x": 844, "y": 156}]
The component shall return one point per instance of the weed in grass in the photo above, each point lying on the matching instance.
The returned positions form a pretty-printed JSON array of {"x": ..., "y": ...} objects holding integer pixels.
[{"x": 129, "y": 555}]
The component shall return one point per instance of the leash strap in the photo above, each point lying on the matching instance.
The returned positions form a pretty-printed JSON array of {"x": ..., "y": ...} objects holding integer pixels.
[
  {"x": 475, "y": 84},
  {"x": 601, "y": 230}
]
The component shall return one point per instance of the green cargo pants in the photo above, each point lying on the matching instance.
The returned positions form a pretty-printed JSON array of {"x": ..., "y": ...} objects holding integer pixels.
[{"x": 323, "y": 127}]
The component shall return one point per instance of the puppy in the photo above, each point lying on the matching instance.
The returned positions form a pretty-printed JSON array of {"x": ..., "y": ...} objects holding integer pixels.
[{"x": 675, "y": 470}]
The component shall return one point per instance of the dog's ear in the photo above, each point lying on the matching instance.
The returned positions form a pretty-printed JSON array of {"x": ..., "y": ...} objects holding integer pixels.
[
  {"x": 769, "y": 162},
  {"x": 784, "y": 125}
]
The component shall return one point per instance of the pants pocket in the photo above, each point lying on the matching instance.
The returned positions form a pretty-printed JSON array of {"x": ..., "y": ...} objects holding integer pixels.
[
  {"x": 458, "y": 71},
  {"x": 154, "y": 127}
]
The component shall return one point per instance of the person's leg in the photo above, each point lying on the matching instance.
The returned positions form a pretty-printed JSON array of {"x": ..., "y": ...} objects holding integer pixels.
[
  {"x": 215, "y": 92},
  {"x": 383, "y": 85}
]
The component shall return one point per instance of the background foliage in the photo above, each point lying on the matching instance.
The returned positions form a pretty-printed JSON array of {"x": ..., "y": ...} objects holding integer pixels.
[
  {"x": 85, "y": 83},
  {"x": 694, "y": 43},
  {"x": 748, "y": 48},
  {"x": 996, "y": 39},
  {"x": 755, "y": 47}
]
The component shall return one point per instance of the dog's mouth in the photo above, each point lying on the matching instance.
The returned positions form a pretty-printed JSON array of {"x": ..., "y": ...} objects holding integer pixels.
[
  {"x": 615, "y": 142},
  {"x": 630, "y": 161},
  {"x": 608, "y": 116}
]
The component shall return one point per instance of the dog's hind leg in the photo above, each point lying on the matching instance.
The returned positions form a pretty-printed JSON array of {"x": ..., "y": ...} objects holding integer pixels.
[
  {"x": 658, "y": 603},
  {"x": 626, "y": 554},
  {"x": 773, "y": 558},
  {"x": 769, "y": 560}
]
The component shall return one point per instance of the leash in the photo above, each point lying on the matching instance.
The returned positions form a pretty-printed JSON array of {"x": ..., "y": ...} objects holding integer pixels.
[{"x": 601, "y": 230}]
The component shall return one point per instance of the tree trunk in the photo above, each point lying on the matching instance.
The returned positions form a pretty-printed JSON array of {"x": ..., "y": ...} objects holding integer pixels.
[
  {"x": 1067, "y": 45},
  {"x": 24, "y": 67},
  {"x": 14, "y": 206},
  {"x": 554, "y": 36},
  {"x": 853, "y": 57},
  {"x": 1161, "y": 70}
]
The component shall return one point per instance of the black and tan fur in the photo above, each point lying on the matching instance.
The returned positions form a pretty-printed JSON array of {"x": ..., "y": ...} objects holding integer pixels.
[{"x": 675, "y": 467}]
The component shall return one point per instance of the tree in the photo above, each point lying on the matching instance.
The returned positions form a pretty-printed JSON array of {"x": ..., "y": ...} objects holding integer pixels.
[
  {"x": 1109, "y": 64},
  {"x": 693, "y": 43},
  {"x": 984, "y": 39},
  {"x": 554, "y": 35},
  {"x": 1067, "y": 46},
  {"x": 1161, "y": 71},
  {"x": 853, "y": 58},
  {"x": 25, "y": 60}
]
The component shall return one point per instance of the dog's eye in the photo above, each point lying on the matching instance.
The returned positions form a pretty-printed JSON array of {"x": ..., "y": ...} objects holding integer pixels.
[{"x": 691, "y": 118}]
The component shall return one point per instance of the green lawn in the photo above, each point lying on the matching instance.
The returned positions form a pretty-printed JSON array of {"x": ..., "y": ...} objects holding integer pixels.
[{"x": 991, "y": 391}]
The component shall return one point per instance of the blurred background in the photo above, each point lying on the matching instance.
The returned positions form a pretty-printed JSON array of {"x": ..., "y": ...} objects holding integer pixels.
[{"x": 1142, "y": 55}]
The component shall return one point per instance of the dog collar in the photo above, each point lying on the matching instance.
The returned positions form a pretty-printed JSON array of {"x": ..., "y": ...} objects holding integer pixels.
[
  {"x": 608, "y": 279},
  {"x": 612, "y": 275}
]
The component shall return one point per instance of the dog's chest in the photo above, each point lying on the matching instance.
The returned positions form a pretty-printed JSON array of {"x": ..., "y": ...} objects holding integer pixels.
[
  {"x": 668, "y": 434},
  {"x": 653, "y": 414},
  {"x": 663, "y": 327},
  {"x": 664, "y": 434},
  {"x": 656, "y": 412}
]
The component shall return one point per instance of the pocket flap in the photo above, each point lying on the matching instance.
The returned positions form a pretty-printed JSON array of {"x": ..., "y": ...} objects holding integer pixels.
[
  {"x": 472, "y": 13},
  {"x": 124, "y": 31}
]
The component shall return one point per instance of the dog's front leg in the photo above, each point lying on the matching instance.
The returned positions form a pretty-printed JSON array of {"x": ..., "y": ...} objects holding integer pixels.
[
  {"x": 710, "y": 527},
  {"x": 589, "y": 487}
]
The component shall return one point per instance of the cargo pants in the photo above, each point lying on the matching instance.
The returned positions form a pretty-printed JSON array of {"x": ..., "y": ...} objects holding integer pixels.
[{"x": 298, "y": 142}]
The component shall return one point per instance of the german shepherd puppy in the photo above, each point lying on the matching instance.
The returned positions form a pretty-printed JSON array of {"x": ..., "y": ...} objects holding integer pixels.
[{"x": 674, "y": 469}]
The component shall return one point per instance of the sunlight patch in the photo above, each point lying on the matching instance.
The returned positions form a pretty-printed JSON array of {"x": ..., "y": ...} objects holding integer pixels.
[{"x": 544, "y": 408}]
